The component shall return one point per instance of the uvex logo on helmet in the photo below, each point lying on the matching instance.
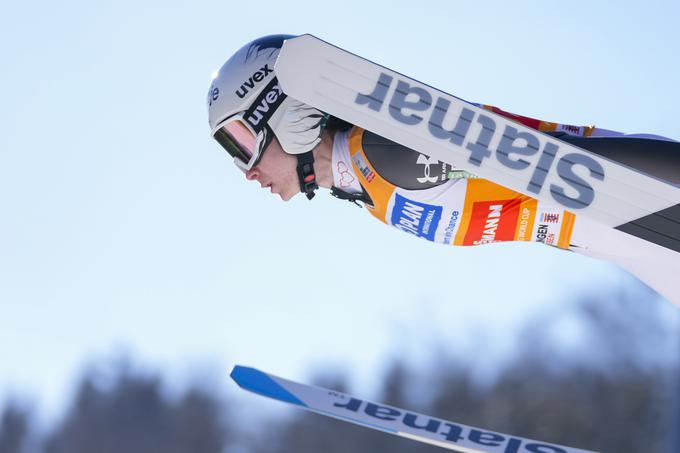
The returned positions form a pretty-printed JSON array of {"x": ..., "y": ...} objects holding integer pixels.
[
  {"x": 265, "y": 105},
  {"x": 249, "y": 84}
]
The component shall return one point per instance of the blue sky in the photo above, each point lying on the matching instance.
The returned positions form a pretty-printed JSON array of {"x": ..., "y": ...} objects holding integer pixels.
[{"x": 125, "y": 226}]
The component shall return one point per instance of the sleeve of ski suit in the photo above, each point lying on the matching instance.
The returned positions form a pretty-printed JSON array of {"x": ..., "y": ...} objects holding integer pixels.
[
  {"x": 568, "y": 129},
  {"x": 547, "y": 126}
]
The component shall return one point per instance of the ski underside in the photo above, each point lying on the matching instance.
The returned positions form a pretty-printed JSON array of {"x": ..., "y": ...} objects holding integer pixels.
[
  {"x": 634, "y": 206},
  {"x": 392, "y": 420}
]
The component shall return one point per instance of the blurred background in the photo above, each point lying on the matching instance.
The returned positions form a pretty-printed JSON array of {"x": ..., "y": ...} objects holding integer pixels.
[{"x": 137, "y": 267}]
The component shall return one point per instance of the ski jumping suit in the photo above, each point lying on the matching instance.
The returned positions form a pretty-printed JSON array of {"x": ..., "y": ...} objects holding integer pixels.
[{"x": 432, "y": 200}]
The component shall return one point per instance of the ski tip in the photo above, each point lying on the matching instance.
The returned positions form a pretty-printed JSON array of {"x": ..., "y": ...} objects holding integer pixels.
[{"x": 261, "y": 383}]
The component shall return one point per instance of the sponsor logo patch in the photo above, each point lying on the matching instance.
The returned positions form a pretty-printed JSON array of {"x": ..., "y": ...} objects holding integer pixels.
[
  {"x": 427, "y": 177},
  {"x": 550, "y": 217},
  {"x": 573, "y": 130},
  {"x": 523, "y": 225},
  {"x": 363, "y": 167},
  {"x": 492, "y": 221},
  {"x": 542, "y": 232},
  {"x": 419, "y": 219},
  {"x": 550, "y": 239},
  {"x": 451, "y": 227}
]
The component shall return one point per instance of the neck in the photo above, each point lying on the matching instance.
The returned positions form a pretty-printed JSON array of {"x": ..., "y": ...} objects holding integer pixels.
[{"x": 323, "y": 163}]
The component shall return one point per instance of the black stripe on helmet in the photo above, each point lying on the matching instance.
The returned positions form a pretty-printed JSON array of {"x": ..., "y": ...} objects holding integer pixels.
[{"x": 264, "y": 106}]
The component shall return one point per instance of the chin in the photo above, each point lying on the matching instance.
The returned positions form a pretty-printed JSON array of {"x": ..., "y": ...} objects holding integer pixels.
[{"x": 288, "y": 196}]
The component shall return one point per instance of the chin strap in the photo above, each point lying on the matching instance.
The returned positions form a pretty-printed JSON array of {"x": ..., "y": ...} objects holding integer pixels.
[{"x": 306, "y": 175}]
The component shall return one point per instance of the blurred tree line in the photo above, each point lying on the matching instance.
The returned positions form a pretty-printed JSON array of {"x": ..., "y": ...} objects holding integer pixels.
[{"x": 607, "y": 381}]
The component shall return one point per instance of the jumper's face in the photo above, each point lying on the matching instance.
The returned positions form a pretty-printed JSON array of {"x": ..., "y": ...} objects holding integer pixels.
[{"x": 276, "y": 170}]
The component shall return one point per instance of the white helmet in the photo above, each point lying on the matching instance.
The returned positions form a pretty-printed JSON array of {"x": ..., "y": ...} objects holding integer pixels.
[{"x": 247, "y": 108}]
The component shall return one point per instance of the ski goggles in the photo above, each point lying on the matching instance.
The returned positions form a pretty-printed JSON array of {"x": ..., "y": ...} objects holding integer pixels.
[
  {"x": 242, "y": 143},
  {"x": 246, "y": 135}
]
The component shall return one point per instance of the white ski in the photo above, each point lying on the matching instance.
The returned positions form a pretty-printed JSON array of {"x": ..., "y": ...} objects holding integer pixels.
[
  {"x": 404, "y": 423},
  {"x": 442, "y": 126}
]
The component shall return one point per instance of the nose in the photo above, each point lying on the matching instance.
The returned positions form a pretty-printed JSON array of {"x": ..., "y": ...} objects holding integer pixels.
[{"x": 252, "y": 174}]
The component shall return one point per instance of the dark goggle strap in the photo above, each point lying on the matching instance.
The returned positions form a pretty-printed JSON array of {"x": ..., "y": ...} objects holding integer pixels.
[
  {"x": 268, "y": 137},
  {"x": 306, "y": 175}
]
